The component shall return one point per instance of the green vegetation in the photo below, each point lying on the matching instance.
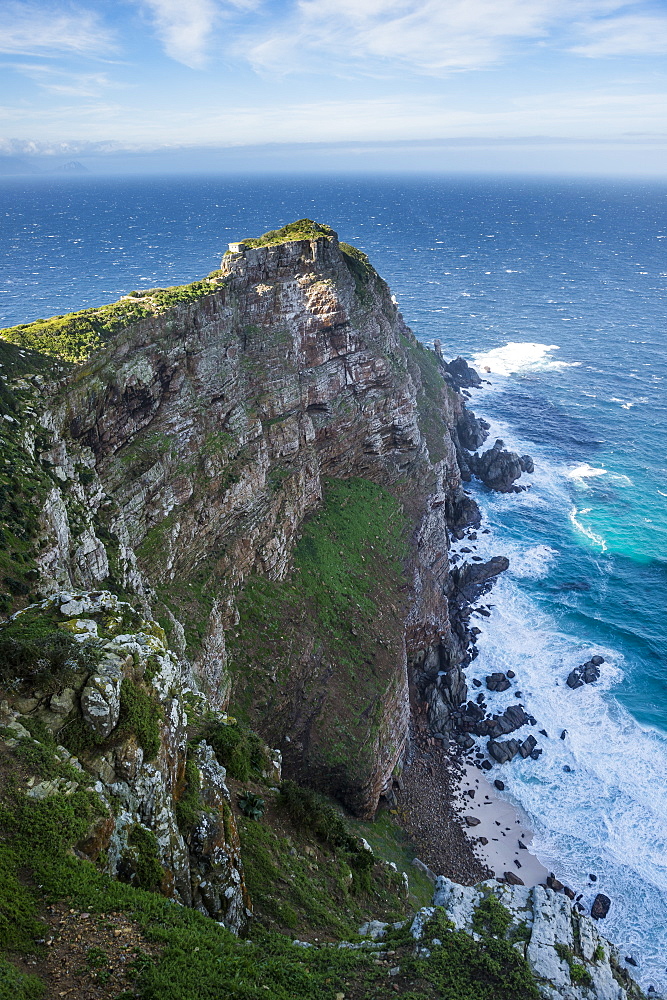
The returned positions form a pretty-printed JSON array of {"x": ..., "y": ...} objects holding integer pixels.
[
  {"x": 15, "y": 985},
  {"x": 75, "y": 336},
  {"x": 303, "y": 229},
  {"x": 141, "y": 715},
  {"x": 251, "y": 805},
  {"x": 34, "y": 648},
  {"x": 430, "y": 398},
  {"x": 460, "y": 968},
  {"x": 148, "y": 871},
  {"x": 598, "y": 954},
  {"x": 237, "y": 748},
  {"x": 348, "y": 575},
  {"x": 188, "y": 802},
  {"x": 579, "y": 974},
  {"x": 360, "y": 268}
]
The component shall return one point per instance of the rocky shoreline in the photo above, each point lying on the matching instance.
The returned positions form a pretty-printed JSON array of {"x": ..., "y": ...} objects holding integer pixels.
[{"x": 446, "y": 751}]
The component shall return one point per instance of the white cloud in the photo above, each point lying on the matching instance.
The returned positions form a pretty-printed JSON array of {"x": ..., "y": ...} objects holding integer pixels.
[
  {"x": 30, "y": 29},
  {"x": 630, "y": 34},
  {"x": 185, "y": 26},
  {"x": 426, "y": 36},
  {"x": 63, "y": 82}
]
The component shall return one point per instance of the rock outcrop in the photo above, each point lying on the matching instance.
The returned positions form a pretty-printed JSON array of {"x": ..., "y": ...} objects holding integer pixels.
[
  {"x": 122, "y": 721},
  {"x": 564, "y": 949},
  {"x": 498, "y": 468}
]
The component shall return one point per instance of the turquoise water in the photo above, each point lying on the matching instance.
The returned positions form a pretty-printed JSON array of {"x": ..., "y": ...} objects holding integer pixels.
[{"x": 559, "y": 288}]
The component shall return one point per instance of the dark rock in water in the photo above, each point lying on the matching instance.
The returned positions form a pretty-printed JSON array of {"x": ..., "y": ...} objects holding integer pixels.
[
  {"x": 500, "y": 785},
  {"x": 567, "y": 768},
  {"x": 503, "y": 753},
  {"x": 471, "y": 580},
  {"x": 554, "y": 883},
  {"x": 630, "y": 960},
  {"x": 465, "y": 549},
  {"x": 472, "y": 535},
  {"x": 513, "y": 879},
  {"x": 510, "y": 674},
  {"x": 522, "y": 846},
  {"x": 591, "y": 673},
  {"x": 461, "y": 512},
  {"x": 472, "y": 431},
  {"x": 461, "y": 374},
  {"x": 569, "y": 892},
  {"x": 527, "y": 746},
  {"x": 600, "y": 907},
  {"x": 486, "y": 765},
  {"x": 535, "y": 755},
  {"x": 518, "y": 694},
  {"x": 543, "y": 732},
  {"x": 483, "y": 841},
  {"x": 593, "y": 878},
  {"x": 476, "y": 683},
  {"x": 497, "y": 682},
  {"x": 472, "y": 820},
  {"x": 563, "y": 734},
  {"x": 498, "y": 469},
  {"x": 483, "y": 611},
  {"x": 480, "y": 698},
  {"x": 587, "y": 673}
]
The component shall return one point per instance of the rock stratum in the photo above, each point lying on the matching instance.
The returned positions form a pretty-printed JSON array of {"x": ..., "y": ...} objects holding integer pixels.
[{"x": 225, "y": 520}]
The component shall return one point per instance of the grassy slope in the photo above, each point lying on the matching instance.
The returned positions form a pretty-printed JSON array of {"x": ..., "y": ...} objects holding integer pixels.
[{"x": 38, "y": 868}]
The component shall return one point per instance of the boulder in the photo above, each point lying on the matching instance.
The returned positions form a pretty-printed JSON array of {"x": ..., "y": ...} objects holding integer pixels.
[
  {"x": 472, "y": 820},
  {"x": 497, "y": 682},
  {"x": 600, "y": 907},
  {"x": 528, "y": 746},
  {"x": 499, "y": 469},
  {"x": 500, "y": 785},
  {"x": 461, "y": 374},
  {"x": 472, "y": 431},
  {"x": 574, "y": 679},
  {"x": 513, "y": 879},
  {"x": 471, "y": 580}
]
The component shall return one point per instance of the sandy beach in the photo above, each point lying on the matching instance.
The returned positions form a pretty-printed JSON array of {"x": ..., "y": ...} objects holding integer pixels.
[{"x": 508, "y": 838}]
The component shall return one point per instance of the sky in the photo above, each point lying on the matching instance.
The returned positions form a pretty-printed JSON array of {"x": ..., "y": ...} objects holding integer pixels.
[{"x": 336, "y": 84}]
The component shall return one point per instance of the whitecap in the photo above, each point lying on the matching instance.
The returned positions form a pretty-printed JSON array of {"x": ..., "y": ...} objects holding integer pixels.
[
  {"x": 585, "y": 471},
  {"x": 532, "y": 563},
  {"x": 587, "y": 532},
  {"x": 520, "y": 356}
]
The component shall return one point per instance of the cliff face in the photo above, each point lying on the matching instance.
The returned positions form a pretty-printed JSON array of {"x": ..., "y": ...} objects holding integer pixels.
[{"x": 181, "y": 463}]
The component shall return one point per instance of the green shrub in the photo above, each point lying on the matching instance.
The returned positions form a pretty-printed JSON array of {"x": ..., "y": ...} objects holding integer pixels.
[
  {"x": 188, "y": 803},
  {"x": 598, "y": 954},
  {"x": 491, "y": 917},
  {"x": 580, "y": 975},
  {"x": 237, "y": 748},
  {"x": 303, "y": 229},
  {"x": 15, "y": 985},
  {"x": 251, "y": 805},
  {"x": 141, "y": 715},
  {"x": 35, "y": 649},
  {"x": 146, "y": 857}
]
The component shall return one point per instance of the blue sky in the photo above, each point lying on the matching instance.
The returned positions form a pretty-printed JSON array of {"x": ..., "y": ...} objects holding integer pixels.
[{"x": 455, "y": 83}]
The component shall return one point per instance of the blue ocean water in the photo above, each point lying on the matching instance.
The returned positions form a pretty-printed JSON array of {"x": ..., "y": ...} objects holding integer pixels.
[{"x": 559, "y": 289}]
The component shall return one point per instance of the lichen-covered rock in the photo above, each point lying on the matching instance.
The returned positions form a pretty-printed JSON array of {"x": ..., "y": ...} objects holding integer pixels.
[
  {"x": 136, "y": 756},
  {"x": 552, "y": 935}
]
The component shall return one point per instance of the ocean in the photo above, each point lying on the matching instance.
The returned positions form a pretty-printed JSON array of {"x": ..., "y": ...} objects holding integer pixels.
[{"x": 558, "y": 287}]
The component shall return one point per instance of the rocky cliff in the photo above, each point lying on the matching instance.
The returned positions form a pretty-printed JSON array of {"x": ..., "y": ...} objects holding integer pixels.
[
  {"x": 225, "y": 510},
  {"x": 179, "y": 465}
]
